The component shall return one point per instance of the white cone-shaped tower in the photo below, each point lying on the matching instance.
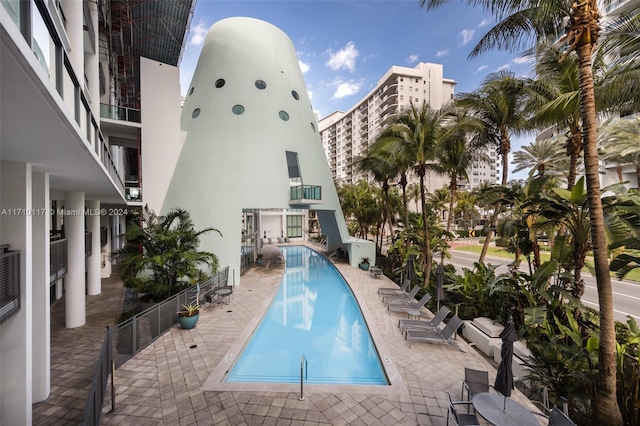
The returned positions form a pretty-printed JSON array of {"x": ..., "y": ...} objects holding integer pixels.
[{"x": 249, "y": 121}]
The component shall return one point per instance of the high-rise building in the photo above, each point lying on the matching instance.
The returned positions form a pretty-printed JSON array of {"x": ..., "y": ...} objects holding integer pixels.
[
  {"x": 347, "y": 135},
  {"x": 86, "y": 88}
]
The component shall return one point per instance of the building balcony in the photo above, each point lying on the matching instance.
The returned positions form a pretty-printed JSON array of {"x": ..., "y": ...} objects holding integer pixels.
[
  {"x": 115, "y": 112},
  {"x": 305, "y": 195}
]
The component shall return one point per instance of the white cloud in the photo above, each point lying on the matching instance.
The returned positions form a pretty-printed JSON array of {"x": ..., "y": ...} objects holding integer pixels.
[
  {"x": 441, "y": 53},
  {"x": 198, "y": 34},
  {"x": 481, "y": 68},
  {"x": 412, "y": 59},
  {"x": 523, "y": 60},
  {"x": 467, "y": 35},
  {"x": 345, "y": 88},
  {"x": 304, "y": 67},
  {"x": 503, "y": 67},
  {"x": 483, "y": 23},
  {"x": 344, "y": 58}
]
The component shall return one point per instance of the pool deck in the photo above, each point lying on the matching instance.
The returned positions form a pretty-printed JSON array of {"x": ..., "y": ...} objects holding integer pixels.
[{"x": 172, "y": 381}]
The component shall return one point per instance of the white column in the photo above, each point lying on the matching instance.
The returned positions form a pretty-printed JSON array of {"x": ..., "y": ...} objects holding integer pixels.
[
  {"x": 105, "y": 256},
  {"x": 41, "y": 305},
  {"x": 75, "y": 29},
  {"x": 16, "y": 332},
  {"x": 93, "y": 262},
  {"x": 74, "y": 295}
]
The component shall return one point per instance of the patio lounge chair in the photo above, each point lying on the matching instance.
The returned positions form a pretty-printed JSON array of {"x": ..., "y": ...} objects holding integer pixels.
[
  {"x": 395, "y": 291},
  {"x": 433, "y": 336},
  {"x": 406, "y": 297},
  {"x": 409, "y": 305},
  {"x": 409, "y": 324}
]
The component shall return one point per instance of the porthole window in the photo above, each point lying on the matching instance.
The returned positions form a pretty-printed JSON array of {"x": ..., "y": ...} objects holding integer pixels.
[
  {"x": 191, "y": 91},
  {"x": 295, "y": 95},
  {"x": 219, "y": 83},
  {"x": 237, "y": 109},
  {"x": 195, "y": 113},
  {"x": 284, "y": 116},
  {"x": 261, "y": 84},
  {"x": 313, "y": 128}
]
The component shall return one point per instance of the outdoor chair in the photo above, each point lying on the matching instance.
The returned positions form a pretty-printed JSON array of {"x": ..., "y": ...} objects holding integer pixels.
[
  {"x": 475, "y": 381},
  {"x": 557, "y": 417},
  {"x": 460, "y": 419},
  {"x": 388, "y": 291},
  {"x": 409, "y": 324},
  {"x": 406, "y": 297},
  {"x": 409, "y": 305},
  {"x": 432, "y": 336}
]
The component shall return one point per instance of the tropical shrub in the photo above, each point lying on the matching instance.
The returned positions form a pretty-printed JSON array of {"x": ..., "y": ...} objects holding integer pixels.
[{"x": 161, "y": 255}]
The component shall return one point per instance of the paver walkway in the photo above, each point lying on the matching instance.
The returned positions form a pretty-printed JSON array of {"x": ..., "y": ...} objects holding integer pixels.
[
  {"x": 163, "y": 383},
  {"x": 74, "y": 354}
]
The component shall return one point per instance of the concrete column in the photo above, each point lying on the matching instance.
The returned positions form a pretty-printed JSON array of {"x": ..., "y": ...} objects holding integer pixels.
[
  {"x": 41, "y": 304},
  {"x": 93, "y": 262},
  {"x": 75, "y": 28},
  {"x": 74, "y": 296},
  {"x": 16, "y": 332}
]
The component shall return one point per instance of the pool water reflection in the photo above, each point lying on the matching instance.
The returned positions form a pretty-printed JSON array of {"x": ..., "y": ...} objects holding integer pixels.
[{"x": 313, "y": 313}]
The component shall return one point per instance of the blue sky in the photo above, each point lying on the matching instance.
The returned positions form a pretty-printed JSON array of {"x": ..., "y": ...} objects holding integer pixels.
[{"x": 345, "y": 47}]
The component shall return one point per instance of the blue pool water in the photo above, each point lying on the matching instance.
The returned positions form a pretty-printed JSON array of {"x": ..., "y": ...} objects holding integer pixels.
[{"x": 313, "y": 313}]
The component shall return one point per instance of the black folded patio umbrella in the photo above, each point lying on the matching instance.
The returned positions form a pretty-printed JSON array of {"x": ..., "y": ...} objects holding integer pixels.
[
  {"x": 411, "y": 269},
  {"x": 440, "y": 284},
  {"x": 504, "y": 377}
]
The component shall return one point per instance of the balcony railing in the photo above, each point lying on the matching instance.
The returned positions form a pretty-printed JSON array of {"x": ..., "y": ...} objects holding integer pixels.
[
  {"x": 57, "y": 260},
  {"x": 115, "y": 112},
  {"x": 305, "y": 194},
  {"x": 43, "y": 33},
  {"x": 9, "y": 282}
]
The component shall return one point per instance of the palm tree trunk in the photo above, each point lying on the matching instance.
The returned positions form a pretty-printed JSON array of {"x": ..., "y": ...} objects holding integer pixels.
[
  {"x": 427, "y": 242},
  {"x": 405, "y": 201},
  {"x": 605, "y": 404},
  {"x": 489, "y": 236}
]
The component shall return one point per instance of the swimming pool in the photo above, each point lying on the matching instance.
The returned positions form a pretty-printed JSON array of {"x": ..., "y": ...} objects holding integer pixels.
[{"x": 313, "y": 313}]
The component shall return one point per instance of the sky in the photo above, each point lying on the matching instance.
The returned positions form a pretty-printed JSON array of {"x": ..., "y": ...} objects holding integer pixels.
[{"x": 345, "y": 47}]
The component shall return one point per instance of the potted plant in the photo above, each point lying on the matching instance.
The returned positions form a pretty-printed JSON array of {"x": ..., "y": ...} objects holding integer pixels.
[
  {"x": 188, "y": 316},
  {"x": 364, "y": 264},
  {"x": 259, "y": 258}
]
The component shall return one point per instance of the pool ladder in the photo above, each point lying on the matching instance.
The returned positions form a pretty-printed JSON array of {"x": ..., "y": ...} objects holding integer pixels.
[{"x": 303, "y": 368}]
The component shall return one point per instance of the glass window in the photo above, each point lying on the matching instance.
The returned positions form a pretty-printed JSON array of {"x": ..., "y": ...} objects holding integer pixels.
[
  {"x": 191, "y": 91},
  {"x": 295, "y": 95},
  {"x": 313, "y": 127},
  {"x": 294, "y": 226},
  {"x": 261, "y": 84},
  {"x": 195, "y": 113},
  {"x": 219, "y": 83},
  {"x": 237, "y": 109},
  {"x": 284, "y": 116}
]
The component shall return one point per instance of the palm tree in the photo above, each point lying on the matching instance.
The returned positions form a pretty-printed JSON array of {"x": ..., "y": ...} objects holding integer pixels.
[
  {"x": 622, "y": 144},
  {"x": 382, "y": 171},
  {"x": 499, "y": 105},
  {"x": 412, "y": 136},
  {"x": 523, "y": 22},
  {"x": 539, "y": 156},
  {"x": 161, "y": 254}
]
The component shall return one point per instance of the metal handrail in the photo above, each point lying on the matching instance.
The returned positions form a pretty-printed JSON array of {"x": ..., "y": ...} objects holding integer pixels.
[{"x": 303, "y": 367}]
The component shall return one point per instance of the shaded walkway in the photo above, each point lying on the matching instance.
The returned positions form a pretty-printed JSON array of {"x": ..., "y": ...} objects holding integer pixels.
[{"x": 74, "y": 353}]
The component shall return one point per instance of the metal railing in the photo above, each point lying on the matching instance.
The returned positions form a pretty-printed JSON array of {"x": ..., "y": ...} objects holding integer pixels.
[
  {"x": 303, "y": 368},
  {"x": 57, "y": 260},
  {"x": 9, "y": 282},
  {"x": 116, "y": 112},
  {"x": 126, "y": 339},
  {"x": 306, "y": 192}
]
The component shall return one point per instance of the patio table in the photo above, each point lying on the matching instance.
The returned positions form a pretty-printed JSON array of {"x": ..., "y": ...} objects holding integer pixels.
[{"x": 500, "y": 412}]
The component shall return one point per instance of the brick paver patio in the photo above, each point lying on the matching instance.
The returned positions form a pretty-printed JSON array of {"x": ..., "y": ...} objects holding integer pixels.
[{"x": 164, "y": 383}]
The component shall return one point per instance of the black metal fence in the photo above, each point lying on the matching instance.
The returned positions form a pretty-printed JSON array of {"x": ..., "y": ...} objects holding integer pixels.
[
  {"x": 128, "y": 338},
  {"x": 9, "y": 282}
]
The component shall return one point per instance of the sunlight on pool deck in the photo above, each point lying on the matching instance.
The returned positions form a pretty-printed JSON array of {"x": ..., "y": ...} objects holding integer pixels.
[{"x": 171, "y": 383}]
